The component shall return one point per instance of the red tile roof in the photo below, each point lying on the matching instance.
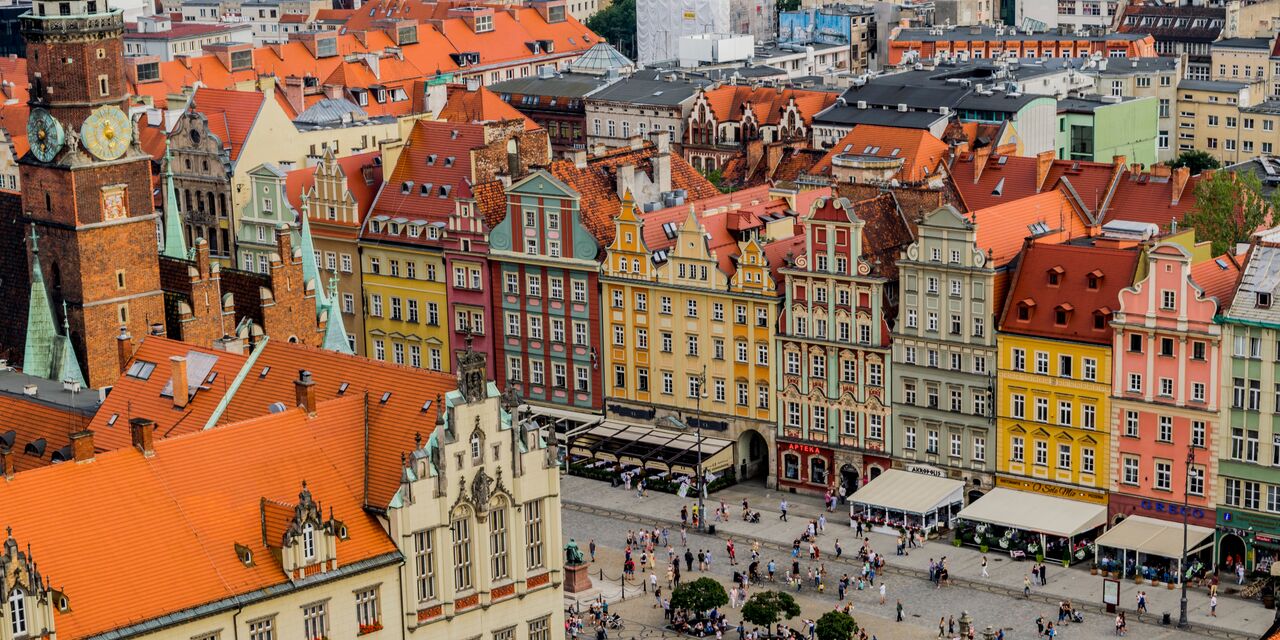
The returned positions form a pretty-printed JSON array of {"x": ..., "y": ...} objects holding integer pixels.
[
  {"x": 998, "y": 183},
  {"x": 1003, "y": 228},
  {"x": 729, "y": 102},
  {"x": 1218, "y": 278},
  {"x": 300, "y": 181},
  {"x": 755, "y": 205},
  {"x": 1158, "y": 200},
  {"x": 1077, "y": 261},
  {"x": 163, "y": 528},
  {"x": 437, "y": 154},
  {"x": 597, "y": 186},
  {"x": 481, "y": 105},
  {"x": 31, "y": 421},
  {"x": 231, "y": 115},
  {"x": 921, "y": 150}
]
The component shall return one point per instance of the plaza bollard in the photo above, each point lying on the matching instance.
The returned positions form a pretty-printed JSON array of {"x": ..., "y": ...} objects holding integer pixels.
[
  {"x": 1166, "y": 619},
  {"x": 989, "y": 633}
]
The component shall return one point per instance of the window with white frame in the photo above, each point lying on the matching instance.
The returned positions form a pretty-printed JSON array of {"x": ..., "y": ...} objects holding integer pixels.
[{"x": 315, "y": 620}]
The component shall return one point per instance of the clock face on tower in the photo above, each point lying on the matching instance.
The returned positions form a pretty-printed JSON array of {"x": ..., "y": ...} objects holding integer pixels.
[
  {"x": 106, "y": 132},
  {"x": 45, "y": 135}
]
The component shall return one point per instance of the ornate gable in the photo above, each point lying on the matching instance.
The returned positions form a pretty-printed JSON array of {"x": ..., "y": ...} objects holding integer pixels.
[
  {"x": 299, "y": 535},
  {"x": 28, "y": 602}
]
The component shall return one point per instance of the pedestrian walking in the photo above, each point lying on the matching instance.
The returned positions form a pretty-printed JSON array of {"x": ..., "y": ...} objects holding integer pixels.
[
  {"x": 684, "y": 517},
  {"x": 984, "y": 567},
  {"x": 688, "y": 559},
  {"x": 1044, "y": 574},
  {"x": 882, "y": 592},
  {"x": 1239, "y": 573},
  {"x": 1039, "y": 626},
  {"x": 1213, "y": 606},
  {"x": 591, "y": 549},
  {"x": 684, "y": 536},
  {"x": 951, "y": 624},
  {"x": 822, "y": 522},
  {"x": 653, "y": 584},
  {"x": 1026, "y": 587},
  {"x": 728, "y": 547},
  {"x": 1142, "y": 604},
  {"x": 899, "y": 608},
  {"x": 702, "y": 560},
  {"x": 942, "y": 628},
  {"x": 782, "y": 507},
  {"x": 839, "y": 549}
]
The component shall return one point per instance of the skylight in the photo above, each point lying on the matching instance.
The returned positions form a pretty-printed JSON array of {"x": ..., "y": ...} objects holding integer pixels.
[
  {"x": 264, "y": 372},
  {"x": 141, "y": 369},
  {"x": 385, "y": 397}
]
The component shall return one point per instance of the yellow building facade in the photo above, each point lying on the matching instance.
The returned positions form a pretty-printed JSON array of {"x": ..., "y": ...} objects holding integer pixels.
[
  {"x": 1054, "y": 404},
  {"x": 405, "y": 319},
  {"x": 684, "y": 336}
]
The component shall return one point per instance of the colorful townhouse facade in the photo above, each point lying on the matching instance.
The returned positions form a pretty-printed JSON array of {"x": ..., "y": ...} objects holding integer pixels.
[
  {"x": 1166, "y": 397},
  {"x": 1248, "y": 443},
  {"x": 833, "y": 343},
  {"x": 545, "y": 272},
  {"x": 1054, "y": 382},
  {"x": 690, "y": 300}
]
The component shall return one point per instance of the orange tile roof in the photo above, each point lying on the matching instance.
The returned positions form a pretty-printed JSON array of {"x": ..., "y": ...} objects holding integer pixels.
[
  {"x": 437, "y": 154},
  {"x": 1218, "y": 278},
  {"x": 163, "y": 529},
  {"x": 392, "y": 424},
  {"x": 597, "y": 186},
  {"x": 133, "y": 396},
  {"x": 28, "y": 421},
  {"x": 921, "y": 150},
  {"x": 755, "y": 204},
  {"x": 729, "y": 102},
  {"x": 1002, "y": 228},
  {"x": 13, "y": 72},
  {"x": 231, "y": 115},
  {"x": 513, "y": 28},
  {"x": 21, "y": 145},
  {"x": 300, "y": 181},
  {"x": 1148, "y": 198},
  {"x": 1076, "y": 261},
  {"x": 481, "y": 105}
]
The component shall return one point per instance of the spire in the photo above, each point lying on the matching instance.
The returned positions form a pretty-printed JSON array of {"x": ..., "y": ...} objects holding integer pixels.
[
  {"x": 175, "y": 243},
  {"x": 335, "y": 332},
  {"x": 311, "y": 270},
  {"x": 42, "y": 332},
  {"x": 67, "y": 368}
]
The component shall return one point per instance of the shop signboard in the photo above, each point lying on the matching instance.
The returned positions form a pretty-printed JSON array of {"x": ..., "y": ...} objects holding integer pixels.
[
  {"x": 1050, "y": 489},
  {"x": 1110, "y": 593}
]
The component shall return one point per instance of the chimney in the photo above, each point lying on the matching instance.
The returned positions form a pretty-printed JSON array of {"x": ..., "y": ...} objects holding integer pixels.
[
  {"x": 662, "y": 167},
  {"x": 626, "y": 180},
  {"x": 6, "y": 463},
  {"x": 141, "y": 433},
  {"x": 1119, "y": 162},
  {"x": 437, "y": 97},
  {"x": 473, "y": 83},
  {"x": 772, "y": 158},
  {"x": 181, "y": 392},
  {"x": 124, "y": 349},
  {"x": 661, "y": 141},
  {"x": 304, "y": 391},
  {"x": 1044, "y": 162},
  {"x": 82, "y": 445},
  {"x": 1178, "y": 182},
  {"x": 580, "y": 159},
  {"x": 635, "y": 142},
  {"x": 295, "y": 93},
  {"x": 980, "y": 156}
]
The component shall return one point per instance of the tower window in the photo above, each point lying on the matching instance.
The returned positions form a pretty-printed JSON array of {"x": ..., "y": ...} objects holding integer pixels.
[
  {"x": 123, "y": 312},
  {"x": 120, "y": 279},
  {"x": 64, "y": 8},
  {"x": 101, "y": 53},
  {"x": 103, "y": 85},
  {"x": 48, "y": 203}
]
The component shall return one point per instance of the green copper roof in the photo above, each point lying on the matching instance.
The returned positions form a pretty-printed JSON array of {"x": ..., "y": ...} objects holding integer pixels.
[
  {"x": 42, "y": 332},
  {"x": 335, "y": 332},
  {"x": 175, "y": 243},
  {"x": 310, "y": 269},
  {"x": 67, "y": 368}
]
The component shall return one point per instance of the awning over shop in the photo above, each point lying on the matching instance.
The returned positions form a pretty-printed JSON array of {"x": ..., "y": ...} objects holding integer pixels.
[
  {"x": 646, "y": 446},
  {"x": 1155, "y": 537},
  {"x": 898, "y": 490},
  {"x": 1027, "y": 511}
]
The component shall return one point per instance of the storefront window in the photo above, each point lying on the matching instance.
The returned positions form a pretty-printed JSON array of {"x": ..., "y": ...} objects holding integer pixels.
[
  {"x": 791, "y": 467},
  {"x": 817, "y": 470}
]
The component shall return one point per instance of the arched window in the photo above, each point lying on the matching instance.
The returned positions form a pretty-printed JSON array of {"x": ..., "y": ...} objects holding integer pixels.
[
  {"x": 791, "y": 466},
  {"x": 308, "y": 542},
  {"x": 477, "y": 445},
  {"x": 18, "y": 612},
  {"x": 817, "y": 470}
]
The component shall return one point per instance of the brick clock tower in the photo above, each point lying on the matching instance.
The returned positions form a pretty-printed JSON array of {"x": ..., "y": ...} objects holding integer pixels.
[{"x": 86, "y": 184}]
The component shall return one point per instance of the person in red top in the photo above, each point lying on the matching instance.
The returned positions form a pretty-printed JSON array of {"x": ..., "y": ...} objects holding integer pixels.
[{"x": 728, "y": 546}]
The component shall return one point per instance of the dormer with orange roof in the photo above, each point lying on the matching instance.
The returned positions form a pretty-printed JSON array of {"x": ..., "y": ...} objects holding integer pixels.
[
  {"x": 628, "y": 255},
  {"x": 30, "y": 602},
  {"x": 889, "y": 155},
  {"x": 299, "y": 535}
]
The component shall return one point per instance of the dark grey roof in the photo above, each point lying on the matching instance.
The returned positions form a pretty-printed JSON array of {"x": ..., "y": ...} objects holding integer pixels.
[
  {"x": 887, "y": 94},
  {"x": 1269, "y": 107},
  {"x": 988, "y": 33},
  {"x": 727, "y": 74},
  {"x": 1267, "y": 168},
  {"x": 565, "y": 85},
  {"x": 1244, "y": 43},
  {"x": 844, "y": 115},
  {"x": 640, "y": 89},
  {"x": 1211, "y": 85},
  {"x": 1089, "y": 103},
  {"x": 1127, "y": 66},
  {"x": 999, "y": 101}
]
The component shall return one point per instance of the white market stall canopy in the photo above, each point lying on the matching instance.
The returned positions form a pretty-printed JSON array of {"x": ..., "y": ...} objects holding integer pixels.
[
  {"x": 1027, "y": 511},
  {"x": 898, "y": 490},
  {"x": 1155, "y": 537}
]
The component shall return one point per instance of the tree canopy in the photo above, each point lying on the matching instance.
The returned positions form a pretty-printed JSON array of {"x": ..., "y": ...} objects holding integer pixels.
[
  {"x": 836, "y": 625},
  {"x": 699, "y": 596},
  {"x": 617, "y": 25},
  {"x": 766, "y": 608},
  {"x": 1229, "y": 208},
  {"x": 1195, "y": 159}
]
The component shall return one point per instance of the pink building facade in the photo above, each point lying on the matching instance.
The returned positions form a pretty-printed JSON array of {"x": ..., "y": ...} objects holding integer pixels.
[{"x": 1165, "y": 390}]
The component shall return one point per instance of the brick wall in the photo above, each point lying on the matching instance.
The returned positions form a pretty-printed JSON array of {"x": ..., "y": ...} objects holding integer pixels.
[{"x": 14, "y": 278}]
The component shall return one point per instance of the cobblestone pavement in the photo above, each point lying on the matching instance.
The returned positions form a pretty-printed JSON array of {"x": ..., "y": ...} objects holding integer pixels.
[{"x": 998, "y": 597}]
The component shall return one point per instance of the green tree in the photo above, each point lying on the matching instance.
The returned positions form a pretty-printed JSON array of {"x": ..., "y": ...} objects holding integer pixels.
[
  {"x": 836, "y": 625},
  {"x": 699, "y": 596},
  {"x": 1229, "y": 208},
  {"x": 766, "y": 608},
  {"x": 617, "y": 25},
  {"x": 1196, "y": 160},
  {"x": 788, "y": 5}
]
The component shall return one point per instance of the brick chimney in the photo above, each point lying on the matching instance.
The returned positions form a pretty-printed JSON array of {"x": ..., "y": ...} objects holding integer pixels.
[
  {"x": 82, "y": 445},
  {"x": 141, "y": 432},
  {"x": 1178, "y": 182},
  {"x": 1044, "y": 162},
  {"x": 304, "y": 391},
  {"x": 181, "y": 392},
  {"x": 124, "y": 349},
  {"x": 6, "y": 463},
  {"x": 295, "y": 93}
]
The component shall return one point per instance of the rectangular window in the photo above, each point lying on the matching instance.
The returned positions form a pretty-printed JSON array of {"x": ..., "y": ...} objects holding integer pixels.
[
  {"x": 498, "y": 544},
  {"x": 460, "y": 533},
  {"x": 1086, "y": 460},
  {"x": 1016, "y": 449},
  {"x": 1064, "y": 456},
  {"x": 1129, "y": 470},
  {"x": 262, "y": 629},
  {"x": 1165, "y": 431},
  {"x": 540, "y": 629},
  {"x": 367, "y": 614},
  {"x": 1042, "y": 453},
  {"x": 315, "y": 620},
  {"x": 533, "y": 534}
]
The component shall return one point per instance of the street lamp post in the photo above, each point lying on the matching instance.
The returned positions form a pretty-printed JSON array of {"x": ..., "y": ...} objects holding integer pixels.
[
  {"x": 1186, "y": 492},
  {"x": 697, "y": 415}
]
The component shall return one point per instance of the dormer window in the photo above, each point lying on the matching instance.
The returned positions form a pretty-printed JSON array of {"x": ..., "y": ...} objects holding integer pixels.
[
  {"x": 309, "y": 542},
  {"x": 1024, "y": 309},
  {"x": 1263, "y": 300},
  {"x": 1095, "y": 280},
  {"x": 1055, "y": 276},
  {"x": 1062, "y": 314},
  {"x": 18, "y": 612},
  {"x": 1099, "y": 320}
]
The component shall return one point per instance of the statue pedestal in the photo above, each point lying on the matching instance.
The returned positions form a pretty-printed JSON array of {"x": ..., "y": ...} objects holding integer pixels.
[{"x": 576, "y": 578}]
